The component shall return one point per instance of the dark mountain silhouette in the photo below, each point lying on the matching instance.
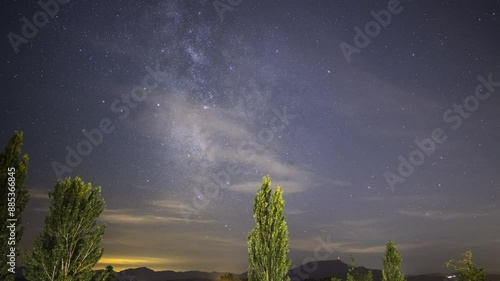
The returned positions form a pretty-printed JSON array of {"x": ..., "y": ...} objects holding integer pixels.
[
  {"x": 310, "y": 271},
  {"x": 313, "y": 271},
  {"x": 427, "y": 277},
  {"x": 325, "y": 269},
  {"x": 146, "y": 274}
]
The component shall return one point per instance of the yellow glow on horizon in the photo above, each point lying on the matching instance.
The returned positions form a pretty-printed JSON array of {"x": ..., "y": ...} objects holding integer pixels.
[{"x": 121, "y": 263}]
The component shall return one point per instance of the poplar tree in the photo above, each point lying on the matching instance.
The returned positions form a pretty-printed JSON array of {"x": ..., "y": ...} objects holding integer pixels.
[
  {"x": 268, "y": 241},
  {"x": 369, "y": 276},
  {"x": 350, "y": 269},
  {"x": 68, "y": 246},
  {"x": 353, "y": 275},
  {"x": 107, "y": 275},
  {"x": 465, "y": 268},
  {"x": 13, "y": 172},
  {"x": 392, "y": 264},
  {"x": 227, "y": 277}
]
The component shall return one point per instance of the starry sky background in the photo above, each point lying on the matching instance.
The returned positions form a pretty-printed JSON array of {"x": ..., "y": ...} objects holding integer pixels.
[{"x": 223, "y": 82}]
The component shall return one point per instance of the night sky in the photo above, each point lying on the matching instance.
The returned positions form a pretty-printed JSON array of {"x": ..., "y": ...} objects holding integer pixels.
[{"x": 188, "y": 107}]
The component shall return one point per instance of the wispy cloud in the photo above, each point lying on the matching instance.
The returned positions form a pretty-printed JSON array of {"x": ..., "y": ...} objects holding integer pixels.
[
  {"x": 253, "y": 187},
  {"x": 349, "y": 247},
  {"x": 170, "y": 206},
  {"x": 38, "y": 194},
  {"x": 292, "y": 211},
  {"x": 451, "y": 215},
  {"x": 365, "y": 222},
  {"x": 129, "y": 216}
]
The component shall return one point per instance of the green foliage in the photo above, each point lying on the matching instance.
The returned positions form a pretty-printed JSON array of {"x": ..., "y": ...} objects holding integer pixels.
[
  {"x": 107, "y": 275},
  {"x": 335, "y": 279},
  {"x": 364, "y": 277},
  {"x": 227, "y": 277},
  {"x": 68, "y": 246},
  {"x": 465, "y": 268},
  {"x": 268, "y": 241},
  {"x": 350, "y": 269},
  {"x": 392, "y": 264},
  {"x": 11, "y": 158},
  {"x": 352, "y": 275},
  {"x": 369, "y": 276}
]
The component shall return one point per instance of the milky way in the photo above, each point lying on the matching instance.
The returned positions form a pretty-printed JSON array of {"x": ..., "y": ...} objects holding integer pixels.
[{"x": 265, "y": 89}]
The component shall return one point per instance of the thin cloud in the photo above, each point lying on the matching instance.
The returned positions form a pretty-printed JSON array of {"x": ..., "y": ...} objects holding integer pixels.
[
  {"x": 125, "y": 216},
  {"x": 253, "y": 187},
  {"x": 291, "y": 211},
  {"x": 349, "y": 247},
  {"x": 450, "y": 215},
  {"x": 38, "y": 194}
]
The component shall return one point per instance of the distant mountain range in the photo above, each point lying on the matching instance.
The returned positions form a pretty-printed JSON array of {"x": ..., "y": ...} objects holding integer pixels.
[
  {"x": 312, "y": 270},
  {"x": 325, "y": 269}
]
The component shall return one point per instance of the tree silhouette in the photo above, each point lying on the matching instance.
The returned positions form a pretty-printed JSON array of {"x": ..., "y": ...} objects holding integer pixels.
[
  {"x": 68, "y": 247},
  {"x": 268, "y": 241},
  {"x": 107, "y": 275},
  {"x": 392, "y": 264},
  {"x": 465, "y": 268},
  {"x": 227, "y": 277},
  {"x": 353, "y": 275},
  {"x": 14, "y": 197},
  {"x": 350, "y": 269}
]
